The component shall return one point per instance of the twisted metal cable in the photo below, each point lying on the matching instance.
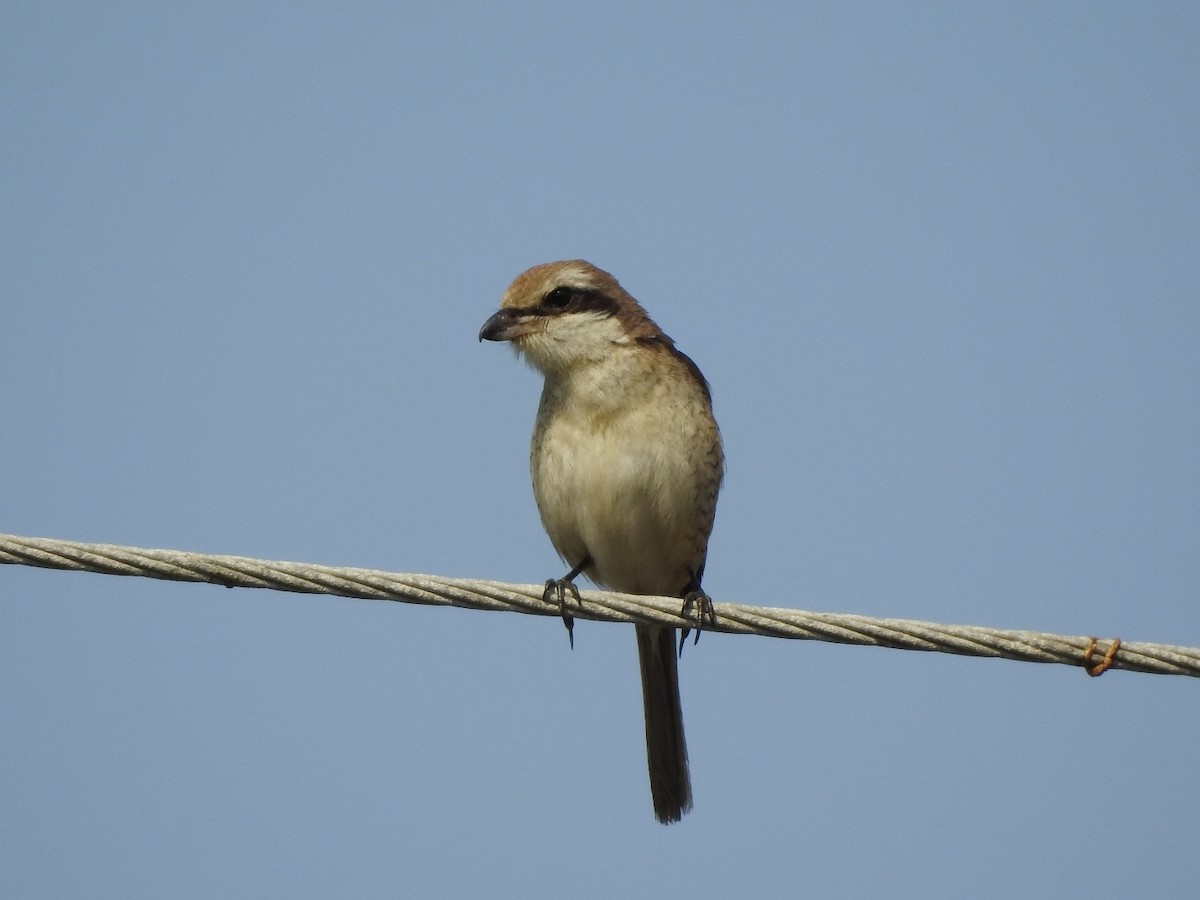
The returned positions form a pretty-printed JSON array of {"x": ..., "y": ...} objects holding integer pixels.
[{"x": 1094, "y": 655}]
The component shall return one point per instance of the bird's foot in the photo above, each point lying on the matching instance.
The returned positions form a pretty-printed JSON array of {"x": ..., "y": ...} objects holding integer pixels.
[
  {"x": 704, "y": 614},
  {"x": 557, "y": 591}
]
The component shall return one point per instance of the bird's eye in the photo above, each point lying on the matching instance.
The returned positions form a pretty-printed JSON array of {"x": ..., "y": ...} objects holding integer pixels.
[{"x": 559, "y": 298}]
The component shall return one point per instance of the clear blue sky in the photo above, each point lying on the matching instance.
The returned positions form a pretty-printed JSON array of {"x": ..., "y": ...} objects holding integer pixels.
[{"x": 940, "y": 264}]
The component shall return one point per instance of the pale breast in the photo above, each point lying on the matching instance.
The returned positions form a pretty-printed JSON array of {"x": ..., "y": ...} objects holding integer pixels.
[{"x": 634, "y": 487}]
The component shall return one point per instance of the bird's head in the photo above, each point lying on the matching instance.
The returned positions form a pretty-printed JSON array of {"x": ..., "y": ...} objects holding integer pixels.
[{"x": 562, "y": 315}]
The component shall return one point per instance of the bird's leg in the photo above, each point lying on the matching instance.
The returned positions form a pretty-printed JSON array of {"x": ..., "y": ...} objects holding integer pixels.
[
  {"x": 557, "y": 590},
  {"x": 694, "y": 596}
]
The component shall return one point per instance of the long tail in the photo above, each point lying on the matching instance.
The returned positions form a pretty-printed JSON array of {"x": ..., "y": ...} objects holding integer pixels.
[{"x": 666, "y": 748}]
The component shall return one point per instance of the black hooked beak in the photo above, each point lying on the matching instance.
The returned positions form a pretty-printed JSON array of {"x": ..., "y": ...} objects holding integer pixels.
[{"x": 505, "y": 325}]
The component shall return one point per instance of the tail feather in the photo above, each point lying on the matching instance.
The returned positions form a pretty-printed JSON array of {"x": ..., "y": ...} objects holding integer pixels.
[{"x": 666, "y": 748}]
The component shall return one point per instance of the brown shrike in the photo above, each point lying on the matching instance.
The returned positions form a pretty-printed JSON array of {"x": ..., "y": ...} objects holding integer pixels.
[{"x": 626, "y": 462}]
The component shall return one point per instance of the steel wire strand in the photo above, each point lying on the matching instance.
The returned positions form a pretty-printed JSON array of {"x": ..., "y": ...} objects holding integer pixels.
[{"x": 1094, "y": 655}]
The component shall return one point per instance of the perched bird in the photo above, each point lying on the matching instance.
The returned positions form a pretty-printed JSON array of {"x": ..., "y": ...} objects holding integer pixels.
[{"x": 626, "y": 462}]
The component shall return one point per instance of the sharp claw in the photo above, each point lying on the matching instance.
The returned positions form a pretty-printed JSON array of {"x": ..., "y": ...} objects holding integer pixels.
[
  {"x": 556, "y": 592},
  {"x": 704, "y": 613}
]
